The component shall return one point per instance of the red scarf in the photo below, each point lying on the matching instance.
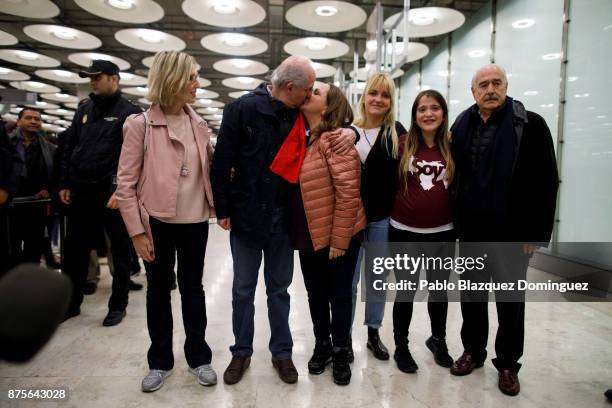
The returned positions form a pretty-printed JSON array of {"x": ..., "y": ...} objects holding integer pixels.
[{"x": 288, "y": 160}]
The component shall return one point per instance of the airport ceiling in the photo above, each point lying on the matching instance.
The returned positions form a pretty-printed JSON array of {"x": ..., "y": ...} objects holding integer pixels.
[{"x": 273, "y": 27}]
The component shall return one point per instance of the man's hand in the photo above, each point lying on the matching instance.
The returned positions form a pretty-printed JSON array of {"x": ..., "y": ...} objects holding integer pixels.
[
  {"x": 225, "y": 223},
  {"x": 529, "y": 249},
  {"x": 4, "y": 195},
  {"x": 144, "y": 247},
  {"x": 113, "y": 204},
  {"x": 64, "y": 196},
  {"x": 342, "y": 140},
  {"x": 335, "y": 252},
  {"x": 42, "y": 194}
]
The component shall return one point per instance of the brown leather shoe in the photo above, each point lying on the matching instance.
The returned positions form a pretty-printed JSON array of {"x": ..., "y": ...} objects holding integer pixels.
[
  {"x": 509, "y": 383},
  {"x": 465, "y": 365},
  {"x": 286, "y": 370},
  {"x": 236, "y": 368}
]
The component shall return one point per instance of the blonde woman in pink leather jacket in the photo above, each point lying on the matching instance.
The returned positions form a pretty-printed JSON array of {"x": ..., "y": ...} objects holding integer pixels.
[{"x": 165, "y": 200}]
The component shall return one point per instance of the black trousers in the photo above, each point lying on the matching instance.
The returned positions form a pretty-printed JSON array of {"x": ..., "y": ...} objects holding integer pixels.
[
  {"x": 508, "y": 265},
  {"x": 27, "y": 231},
  {"x": 437, "y": 305},
  {"x": 329, "y": 285},
  {"x": 188, "y": 241},
  {"x": 87, "y": 214},
  {"x": 5, "y": 244}
]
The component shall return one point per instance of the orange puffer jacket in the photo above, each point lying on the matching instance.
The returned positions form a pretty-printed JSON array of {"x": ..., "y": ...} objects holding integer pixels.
[{"x": 330, "y": 186}]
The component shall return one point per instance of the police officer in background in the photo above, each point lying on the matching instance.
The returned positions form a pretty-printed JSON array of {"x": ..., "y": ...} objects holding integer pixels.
[{"x": 87, "y": 184}]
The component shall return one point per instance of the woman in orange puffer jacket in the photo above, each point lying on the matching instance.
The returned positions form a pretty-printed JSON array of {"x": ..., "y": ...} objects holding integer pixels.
[{"x": 328, "y": 218}]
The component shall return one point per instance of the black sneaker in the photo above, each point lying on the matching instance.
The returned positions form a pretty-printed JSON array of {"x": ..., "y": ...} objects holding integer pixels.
[
  {"x": 321, "y": 357},
  {"x": 440, "y": 351},
  {"x": 341, "y": 367},
  {"x": 405, "y": 362}
]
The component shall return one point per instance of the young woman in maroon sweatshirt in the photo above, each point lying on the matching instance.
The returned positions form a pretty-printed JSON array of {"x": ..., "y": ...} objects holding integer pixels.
[{"x": 421, "y": 213}]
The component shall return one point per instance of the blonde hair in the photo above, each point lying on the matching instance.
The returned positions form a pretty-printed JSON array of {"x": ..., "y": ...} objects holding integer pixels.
[
  {"x": 169, "y": 74},
  {"x": 385, "y": 82}
]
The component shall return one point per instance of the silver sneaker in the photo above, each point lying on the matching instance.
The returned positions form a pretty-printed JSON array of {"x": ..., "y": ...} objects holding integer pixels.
[
  {"x": 205, "y": 373},
  {"x": 154, "y": 380}
]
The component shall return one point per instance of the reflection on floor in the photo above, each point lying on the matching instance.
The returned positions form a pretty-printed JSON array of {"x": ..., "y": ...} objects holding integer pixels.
[{"x": 567, "y": 361}]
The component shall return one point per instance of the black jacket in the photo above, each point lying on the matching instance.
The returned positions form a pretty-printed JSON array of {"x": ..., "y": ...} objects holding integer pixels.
[
  {"x": 532, "y": 195},
  {"x": 93, "y": 143},
  {"x": 8, "y": 163},
  {"x": 40, "y": 172},
  {"x": 253, "y": 129},
  {"x": 380, "y": 177}
]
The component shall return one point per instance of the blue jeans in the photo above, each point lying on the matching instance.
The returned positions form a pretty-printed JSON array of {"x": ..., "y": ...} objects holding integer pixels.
[
  {"x": 278, "y": 273},
  {"x": 374, "y": 311}
]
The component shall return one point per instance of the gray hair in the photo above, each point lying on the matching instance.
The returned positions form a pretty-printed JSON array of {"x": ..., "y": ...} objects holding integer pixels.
[
  {"x": 489, "y": 66},
  {"x": 293, "y": 69}
]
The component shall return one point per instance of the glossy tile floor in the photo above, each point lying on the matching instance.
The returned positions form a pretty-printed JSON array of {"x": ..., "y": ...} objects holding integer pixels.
[{"x": 567, "y": 361}]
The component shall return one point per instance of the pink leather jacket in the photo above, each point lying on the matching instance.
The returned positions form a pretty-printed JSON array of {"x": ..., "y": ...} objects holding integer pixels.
[{"x": 147, "y": 179}]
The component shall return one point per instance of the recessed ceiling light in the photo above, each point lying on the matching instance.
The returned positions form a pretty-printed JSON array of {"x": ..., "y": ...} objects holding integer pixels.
[
  {"x": 61, "y": 111},
  {"x": 547, "y": 105},
  {"x": 241, "y": 64},
  {"x": 150, "y": 36},
  {"x": 218, "y": 116},
  {"x": 62, "y": 73},
  {"x": 571, "y": 79},
  {"x": 4, "y": 71},
  {"x": 530, "y": 93},
  {"x": 212, "y": 109},
  {"x": 35, "y": 84},
  {"x": 316, "y": 44},
  {"x": 126, "y": 75},
  {"x": 525, "y": 23},
  {"x": 234, "y": 40},
  {"x": 121, "y": 4},
  {"x": 583, "y": 95},
  {"x": 41, "y": 103},
  {"x": 326, "y": 11},
  {"x": 64, "y": 34},
  {"x": 245, "y": 80},
  {"x": 477, "y": 53},
  {"x": 61, "y": 95},
  {"x": 205, "y": 101},
  {"x": 552, "y": 56},
  {"x": 422, "y": 18},
  {"x": 27, "y": 55},
  {"x": 225, "y": 7}
]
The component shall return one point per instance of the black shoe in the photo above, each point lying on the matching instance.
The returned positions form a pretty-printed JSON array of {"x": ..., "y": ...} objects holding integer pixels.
[
  {"x": 90, "y": 288},
  {"x": 440, "y": 351},
  {"x": 113, "y": 318},
  {"x": 405, "y": 362},
  {"x": 135, "y": 285},
  {"x": 70, "y": 313},
  {"x": 376, "y": 345},
  {"x": 341, "y": 368},
  {"x": 321, "y": 357}
]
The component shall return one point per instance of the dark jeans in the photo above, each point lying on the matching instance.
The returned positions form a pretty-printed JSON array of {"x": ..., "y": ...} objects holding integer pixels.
[
  {"x": 28, "y": 221},
  {"x": 329, "y": 285},
  {"x": 437, "y": 304},
  {"x": 278, "y": 273},
  {"x": 506, "y": 266},
  {"x": 188, "y": 241},
  {"x": 87, "y": 214}
]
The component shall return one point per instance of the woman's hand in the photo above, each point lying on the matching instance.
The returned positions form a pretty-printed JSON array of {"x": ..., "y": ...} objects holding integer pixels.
[
  {"x": 144, "y": 247},
  {"x": 342, "y": 140},
  {"x": 335, "y": 252}
]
